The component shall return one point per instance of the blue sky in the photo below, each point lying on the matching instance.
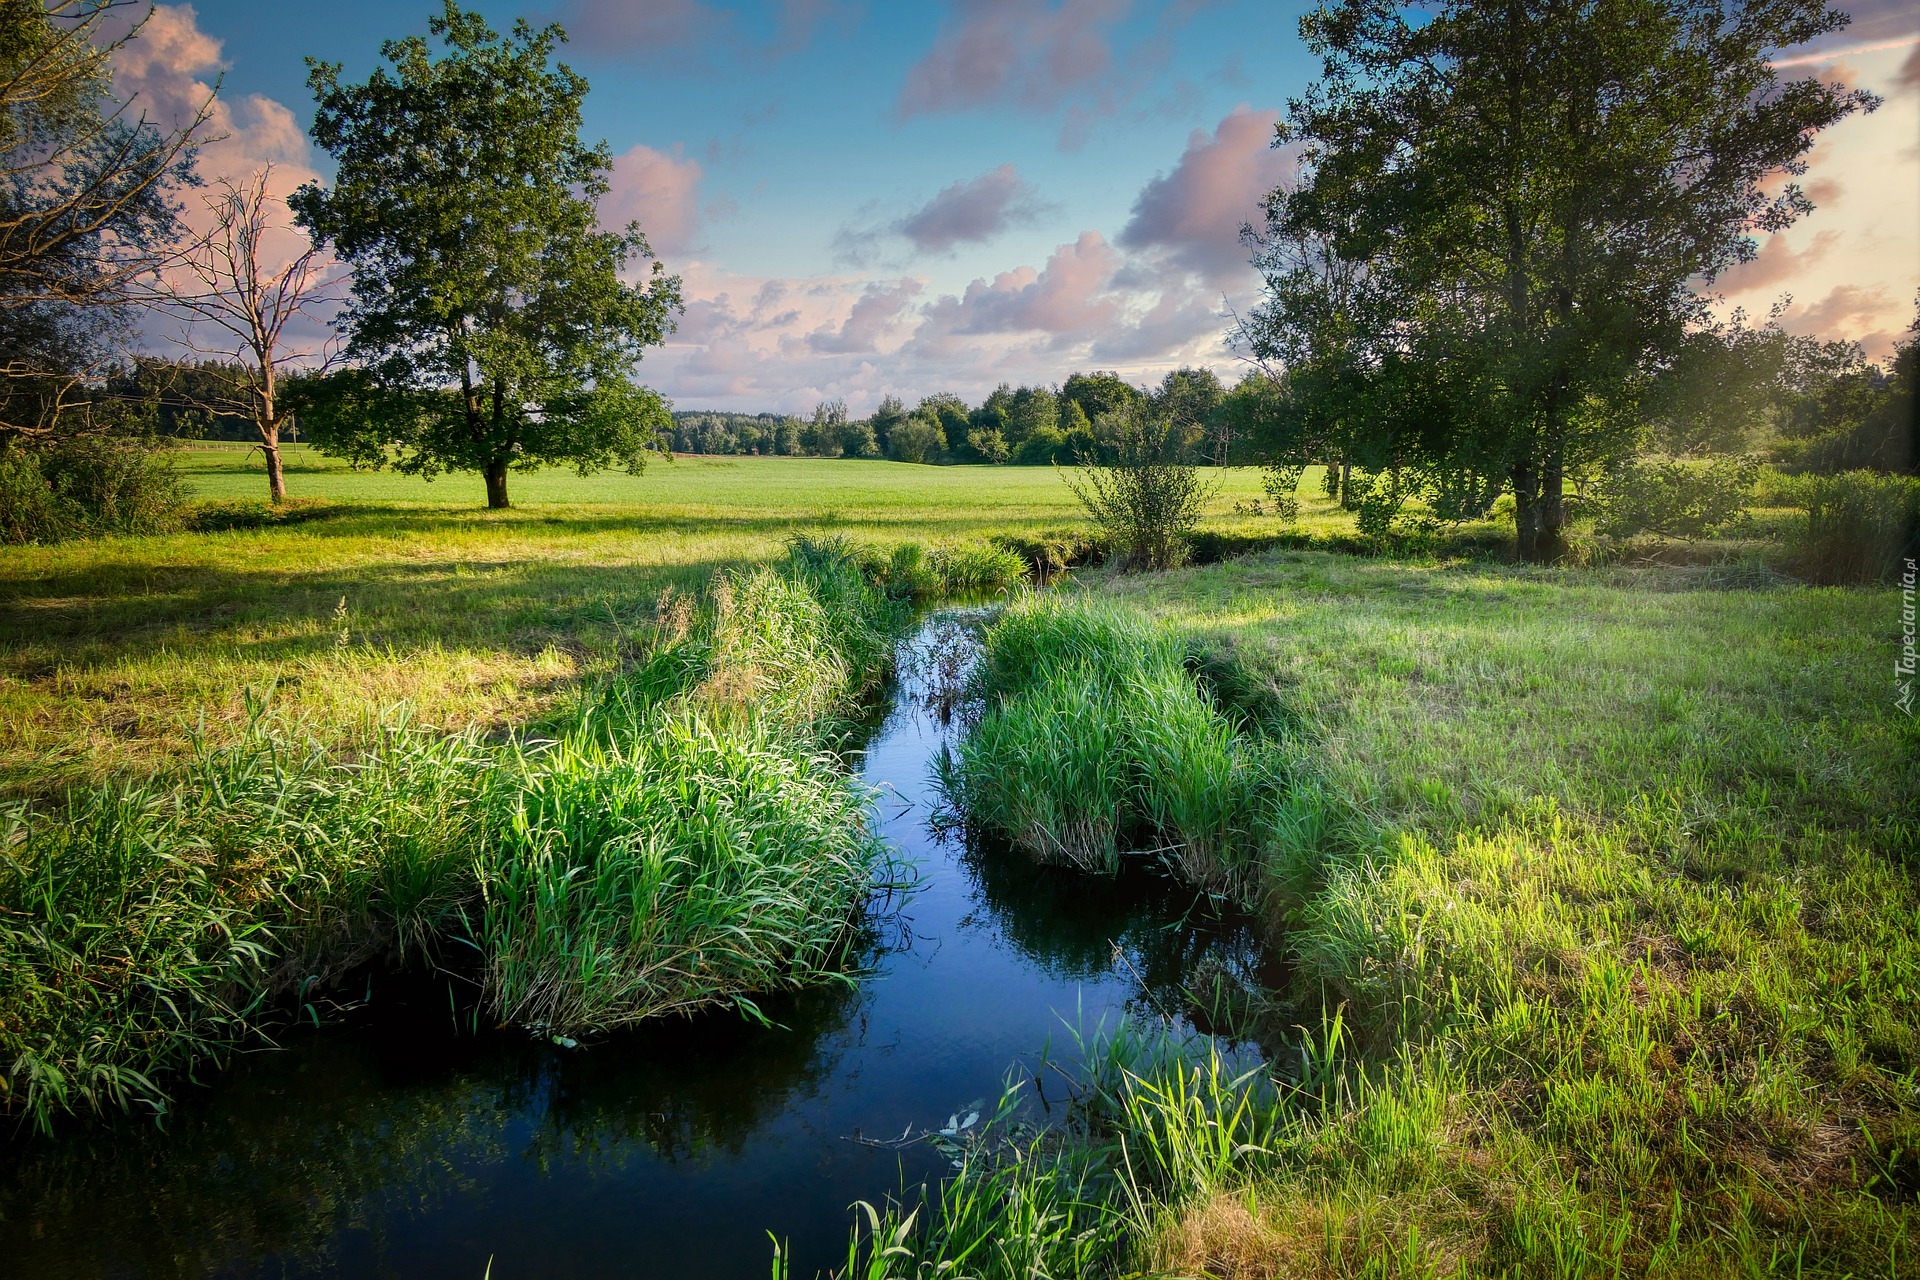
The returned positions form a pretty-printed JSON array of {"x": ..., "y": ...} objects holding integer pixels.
[{"x": 867, "y": 198}]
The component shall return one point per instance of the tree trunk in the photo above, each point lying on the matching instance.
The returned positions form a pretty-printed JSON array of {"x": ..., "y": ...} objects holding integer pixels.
[
  {"x": 1550, "y": 543},
  {"x": 1526, "y": 511},
  {"x": 276, "y": 482},
  {"x": 497, "y": 485},
  {"x": 1346, "y": 484}
]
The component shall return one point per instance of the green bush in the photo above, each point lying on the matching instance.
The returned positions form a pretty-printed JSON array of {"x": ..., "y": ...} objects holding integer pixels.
[
  {"x": 1675, "y": 498},
  {"x": 1860, "y": 526},
  {"x": 1146, "y": 498},
  {"x": 30, "y": 510},
  {"x": 94, "y": 485},
  {"x": 1044, "y": 446}
]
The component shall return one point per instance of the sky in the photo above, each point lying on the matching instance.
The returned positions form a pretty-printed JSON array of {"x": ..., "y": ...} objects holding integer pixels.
[{"x": 874, "y": 197}]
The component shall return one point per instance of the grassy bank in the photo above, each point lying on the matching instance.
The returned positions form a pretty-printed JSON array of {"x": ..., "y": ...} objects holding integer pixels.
[
  {"x": 1600, "y": 890},
  {"x": 677, "y": 839},
  {"x": 375, "y": 589}
]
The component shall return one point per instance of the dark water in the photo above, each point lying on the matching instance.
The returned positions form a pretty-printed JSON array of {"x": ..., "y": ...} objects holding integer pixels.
[{"x": 398, "y": 1145}]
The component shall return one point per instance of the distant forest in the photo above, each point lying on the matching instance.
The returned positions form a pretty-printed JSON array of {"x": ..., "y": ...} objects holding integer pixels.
[{"x": 1029, "y": 426}]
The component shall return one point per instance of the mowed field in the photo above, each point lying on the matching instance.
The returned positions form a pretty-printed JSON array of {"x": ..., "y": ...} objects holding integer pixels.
[{"x": 378, "y": 589}]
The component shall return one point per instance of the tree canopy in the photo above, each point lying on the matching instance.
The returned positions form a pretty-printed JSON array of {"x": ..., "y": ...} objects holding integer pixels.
[
  {"x": 1503, "y": 211},
  {"x": 489, "y": 321}
]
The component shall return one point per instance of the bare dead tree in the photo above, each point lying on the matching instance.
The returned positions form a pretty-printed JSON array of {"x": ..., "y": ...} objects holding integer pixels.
[{"x": 238, "y": 306}]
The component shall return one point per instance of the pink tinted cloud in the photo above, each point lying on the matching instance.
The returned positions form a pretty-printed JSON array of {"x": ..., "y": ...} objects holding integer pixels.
[
  {"x": 1194, "y": 213},
  {"x": 1062, "y": 299},
  {"x": 167, "y": 69},
  {"x": 1777, "y": 262},
  {"x": 661, "y": 191},
  {"x": 971, "y": 212},
  {"x": 1011, "y": 51},
  {"x": 877, "y": 312}
]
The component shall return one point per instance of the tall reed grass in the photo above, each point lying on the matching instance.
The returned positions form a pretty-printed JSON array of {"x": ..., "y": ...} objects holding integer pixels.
[
  {"x": 1094, "y": 740},
  {"x": 680, "y": 839},
  {"x": 1153, "y": 1123},
  {"x": 668, "y": 868}
]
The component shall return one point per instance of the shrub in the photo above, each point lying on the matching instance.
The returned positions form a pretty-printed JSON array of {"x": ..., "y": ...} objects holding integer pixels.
[
  {"x": 1675, "y": 498},
  {"x": 1282, "y": 483},
  {"x": 92, "y": 485},
  {"x": 1146, "y": 497},
  {"x": 30, "y": 510},
  {"x": 1043, "y": 446},
  {"x": 1859, "y": 525},
  {"x": 916, "y": 439}
]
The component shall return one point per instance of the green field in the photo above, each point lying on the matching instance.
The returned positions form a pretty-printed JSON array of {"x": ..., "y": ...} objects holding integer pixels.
[
  {"x": 391, "y": 588},
  {"x": 1603, "y": 874}
]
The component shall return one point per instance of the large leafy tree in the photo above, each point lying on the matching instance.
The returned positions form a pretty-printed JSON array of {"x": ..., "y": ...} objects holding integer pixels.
[
  {"x": 489, "y": 318},
  {"x": 1529, "y": 191}
]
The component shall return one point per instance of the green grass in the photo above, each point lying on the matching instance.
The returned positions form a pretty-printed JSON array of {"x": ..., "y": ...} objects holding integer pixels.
[
  {"x": 1095, "y": 741},
  {"x": 379, "y": 588},
  {"x": 681, "y": 842},
  {"x": 1599, "y": 882},
  {"x": 1600, "y": 886}
]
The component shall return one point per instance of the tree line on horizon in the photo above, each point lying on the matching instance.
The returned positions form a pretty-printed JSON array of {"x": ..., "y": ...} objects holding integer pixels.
[{"x": 1066, "y": 423}]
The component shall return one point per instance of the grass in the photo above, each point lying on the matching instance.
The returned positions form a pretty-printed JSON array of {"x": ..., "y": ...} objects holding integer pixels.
[
  {"x": 1600, "y": 888},
  {"x": 376, "y": 589},
  {"x": 1095, "y": 739},
  {"x": 1599, "y": 882},
  {"x": 677, "y": 845}
]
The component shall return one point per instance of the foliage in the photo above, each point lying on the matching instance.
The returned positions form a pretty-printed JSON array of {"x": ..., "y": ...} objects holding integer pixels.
[
  {"x": 1844, "y": 414},
  {"x": 736, "y": 433},
  {"x": 1675, "y": 498},
  {"x": 86, "y": 486},
  {"x": 1097, "y": 393},
  {"x": 1721, "y": 390},
  {"x": 87, "y": 209},
  {"x": 1282, "y": 483},
  {"x": 1489, "y": 281},
  {"x": 1147, "y": 497},
  {"x": 1191, "y": 399},
  {"x": 916, "y": 438},
  {"x": 465, "y": 204},
  {"x": 1860, "y": 526}
]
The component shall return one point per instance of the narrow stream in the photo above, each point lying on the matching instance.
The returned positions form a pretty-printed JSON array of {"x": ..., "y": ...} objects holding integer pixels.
[{"x": 398, "y": 1143}]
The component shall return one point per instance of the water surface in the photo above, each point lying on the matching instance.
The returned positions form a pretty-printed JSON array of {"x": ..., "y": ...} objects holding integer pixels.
[{"x": 403, "y": 1142}]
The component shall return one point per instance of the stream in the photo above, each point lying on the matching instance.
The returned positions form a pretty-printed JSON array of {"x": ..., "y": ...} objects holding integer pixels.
[{"x": 400, "y": 1141}]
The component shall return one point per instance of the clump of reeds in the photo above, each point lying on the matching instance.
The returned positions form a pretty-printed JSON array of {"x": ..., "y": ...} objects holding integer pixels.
[
  {"x": 910, "y": 571},
  {"x": 680, "y": 839},
  {"x": 668, "y": 868},
  {"x": 1094, "y": 740},
  {"x": 143, "y": 928}
]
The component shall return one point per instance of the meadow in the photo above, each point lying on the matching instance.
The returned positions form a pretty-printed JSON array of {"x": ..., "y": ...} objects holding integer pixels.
[
  {"x": 1597, "y": 882},
  {"x": 376, "y": 588}
]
